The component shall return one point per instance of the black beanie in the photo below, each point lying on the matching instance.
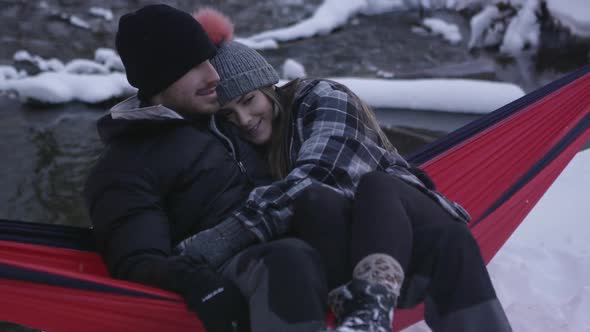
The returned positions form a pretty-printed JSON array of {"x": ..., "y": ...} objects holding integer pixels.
[{"x": 158, "y": 44}]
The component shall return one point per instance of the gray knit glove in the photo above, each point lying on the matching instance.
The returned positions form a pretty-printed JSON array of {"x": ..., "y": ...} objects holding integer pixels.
[{"x": 216, "y": 245}]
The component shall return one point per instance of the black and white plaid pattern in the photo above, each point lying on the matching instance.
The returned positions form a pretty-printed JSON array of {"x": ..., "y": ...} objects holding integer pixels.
[{"x": 330, "y": 145}]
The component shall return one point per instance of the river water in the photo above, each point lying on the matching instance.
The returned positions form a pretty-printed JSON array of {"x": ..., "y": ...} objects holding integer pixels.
[{"x": 47, "y": 151}]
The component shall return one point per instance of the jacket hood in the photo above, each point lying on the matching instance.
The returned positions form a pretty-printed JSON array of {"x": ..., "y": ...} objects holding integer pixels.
[{"x": 130, "y": 118}]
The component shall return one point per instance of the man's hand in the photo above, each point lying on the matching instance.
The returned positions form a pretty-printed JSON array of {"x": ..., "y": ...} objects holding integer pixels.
[
  {"x": 216, "y": 245},
  {"x": 217, "y": 301}
]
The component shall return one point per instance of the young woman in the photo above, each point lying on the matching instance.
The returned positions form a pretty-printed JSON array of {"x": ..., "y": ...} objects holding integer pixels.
[{"x": 381, "y": 222}]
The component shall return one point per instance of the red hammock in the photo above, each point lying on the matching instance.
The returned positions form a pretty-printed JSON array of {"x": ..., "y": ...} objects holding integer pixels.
[{"x": 497, "y": 173}]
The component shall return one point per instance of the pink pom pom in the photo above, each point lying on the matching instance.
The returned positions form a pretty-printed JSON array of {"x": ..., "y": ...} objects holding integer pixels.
[{"x": 218, "y": 26}]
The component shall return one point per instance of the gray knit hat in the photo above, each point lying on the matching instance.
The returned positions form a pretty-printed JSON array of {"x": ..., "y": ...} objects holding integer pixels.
[{"x": 241, "y": 70}]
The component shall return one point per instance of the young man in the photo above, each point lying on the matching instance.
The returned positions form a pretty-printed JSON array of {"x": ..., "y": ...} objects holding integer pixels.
[{"x": 168, "y": 172}]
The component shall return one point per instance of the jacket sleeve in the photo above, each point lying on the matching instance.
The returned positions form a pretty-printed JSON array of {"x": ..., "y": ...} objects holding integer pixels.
[{"x": 133, "y": 232}]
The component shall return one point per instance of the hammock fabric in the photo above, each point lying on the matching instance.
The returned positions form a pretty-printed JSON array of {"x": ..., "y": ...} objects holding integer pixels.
[{"x": 497, "y": 167}]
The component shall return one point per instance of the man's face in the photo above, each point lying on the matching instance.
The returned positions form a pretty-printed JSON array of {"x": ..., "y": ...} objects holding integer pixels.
[{"x": 194, "y": 93}]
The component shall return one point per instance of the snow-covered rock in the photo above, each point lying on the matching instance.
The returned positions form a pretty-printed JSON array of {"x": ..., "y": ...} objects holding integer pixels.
[
  {"x": 523, "y": 31},
  {"x": 106, "y": 14},
  {"x": 293, "y": 69},
  {"x": 63, "y": 87},
  {"x": 448, "y": 31}
]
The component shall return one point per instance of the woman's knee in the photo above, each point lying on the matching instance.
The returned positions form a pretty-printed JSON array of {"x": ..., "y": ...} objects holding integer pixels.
[
  {"x": 293, "y": 263},
  {"x": 319, "y": 210},
  {"x": 292, "y": 252},
  {"x": 380, "y": 183},
  {"x": 458, "y": 236},
  {"x": 290, "y": 281},
  {"x": 318, "y": 196}
]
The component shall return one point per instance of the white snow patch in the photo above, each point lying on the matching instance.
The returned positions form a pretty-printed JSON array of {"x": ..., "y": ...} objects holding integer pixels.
[
  {"x": 84, "y": 66},
  {"x": 573, "y": 14},
  {"x": 106, "y": 14},
  {"x": 76, "y": 21},
  {"x": 109, "y": 58},
  {"x": 79, "y": 80},
  {"x": 9, "y": 72},
  {"x": 329, "y": 15},
  {"x": 266, "y": 44},
  {"x": 385, "y": 74},
  {"x": 63, "y": 87},
  {"x": 481, "y": 25},
  {"x": 489, "y": 28},
  {"x": 332, "y": 14},
  {"x": 523, "y": 30},
  {"x": 448, "y": 31},
  {"x": 43, "y": 64},
  {"x": 542, "y": 273},
  {"x": 447, "y": 95},
  {"x": 293, "y": 69}
]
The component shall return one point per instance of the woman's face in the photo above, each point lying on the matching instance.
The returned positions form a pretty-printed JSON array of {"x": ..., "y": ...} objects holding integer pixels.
[{"x": 252, "y": 113}]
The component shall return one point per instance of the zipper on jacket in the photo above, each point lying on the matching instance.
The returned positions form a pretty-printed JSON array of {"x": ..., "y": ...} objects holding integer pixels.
[
  {"x": 241, "y": 166},
  {"x": 234, "y": 154}
]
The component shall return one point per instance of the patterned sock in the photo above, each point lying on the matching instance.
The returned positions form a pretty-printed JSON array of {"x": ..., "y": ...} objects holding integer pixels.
[{"x": 381, "y": 269}]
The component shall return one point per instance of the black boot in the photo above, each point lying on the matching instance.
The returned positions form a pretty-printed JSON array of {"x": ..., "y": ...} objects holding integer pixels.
[
  {"x": 362, "y": 306},
  {"x": 366, "y": 303}
]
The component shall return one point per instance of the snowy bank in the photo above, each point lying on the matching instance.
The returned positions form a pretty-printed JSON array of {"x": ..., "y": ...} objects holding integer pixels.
[
  {"x": 84, "y": 80},
  {"x": 542, "y": 273},
  {"x": 101, "y": 79},
  {"x": 514, "y": 29},
  {"x": 64, "y": 87},
  {"x": 447, "y": 95},
  {"x": 572, "y": 14}
]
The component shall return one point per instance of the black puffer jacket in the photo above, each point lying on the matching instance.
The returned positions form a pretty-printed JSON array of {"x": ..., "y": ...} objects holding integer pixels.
[{"x": 160, "y": 179}]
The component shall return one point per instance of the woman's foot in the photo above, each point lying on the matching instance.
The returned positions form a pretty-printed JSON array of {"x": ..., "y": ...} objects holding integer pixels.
[
  {"x": 366, "y": 303},
  {"x": 362, "y": 306}
]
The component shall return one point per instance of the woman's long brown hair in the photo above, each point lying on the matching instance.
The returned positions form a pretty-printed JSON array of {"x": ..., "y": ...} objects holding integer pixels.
[{"x": 282, "y": 100}]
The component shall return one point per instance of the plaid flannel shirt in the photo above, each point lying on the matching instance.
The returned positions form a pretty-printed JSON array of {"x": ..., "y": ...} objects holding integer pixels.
[{"x": 330, "y": 145}]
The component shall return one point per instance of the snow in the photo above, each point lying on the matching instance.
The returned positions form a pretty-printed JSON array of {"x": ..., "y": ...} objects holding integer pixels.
[
  {"x": 516, "y": 33},
  {"x": 449, "y": 32},
  {"x": 293, "y": 69},
  {"x": 109, "y": 58},
  {"x": 573, "y": 14},
  {"x": 542, "y": 273},
  {"x": 8, "y": 72},
  {"x": 384, "y": 74},
  {"x": 82, "y": 80},
  {"x": 43, "y": 64},
  {"x": 94, "y": 81},
  {"x": 266, "y": 44},
  {"x": 330, "y": 15},
  {"x": 63, "y": 87},
  {"x": 106, "y": 14},
  {"x": 447, "y": 95},
  {"x": 80, "y": 23},
  {"x": 83, "y": 66},
  {"x": 523, "y": 30},
  {"x": 481, "y": 26}
]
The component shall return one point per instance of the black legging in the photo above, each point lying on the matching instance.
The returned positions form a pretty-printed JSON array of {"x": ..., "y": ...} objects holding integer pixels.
[
  {"x": 344, "y": 232},
  {"x": 439, "y": 255}
]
